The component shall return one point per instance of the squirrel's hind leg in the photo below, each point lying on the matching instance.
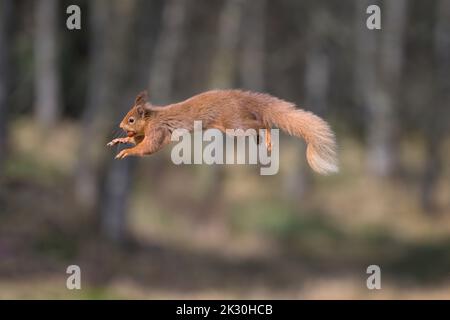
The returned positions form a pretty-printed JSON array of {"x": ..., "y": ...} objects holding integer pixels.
[{"x": 268, "y": 140}]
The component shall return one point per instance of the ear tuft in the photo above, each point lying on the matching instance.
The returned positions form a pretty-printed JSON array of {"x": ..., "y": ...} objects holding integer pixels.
[{"x": 141, "y": 98}]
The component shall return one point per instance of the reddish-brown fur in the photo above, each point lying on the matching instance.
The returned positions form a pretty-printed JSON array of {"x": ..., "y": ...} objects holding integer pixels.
[{"x": 152, "y": 126}]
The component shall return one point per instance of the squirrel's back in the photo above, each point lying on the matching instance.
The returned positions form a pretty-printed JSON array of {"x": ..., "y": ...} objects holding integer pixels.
[{"x": 245, "y": 109}]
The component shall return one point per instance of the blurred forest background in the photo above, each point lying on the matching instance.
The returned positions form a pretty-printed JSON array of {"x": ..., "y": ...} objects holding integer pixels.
[{"x": 146, "y": 228}]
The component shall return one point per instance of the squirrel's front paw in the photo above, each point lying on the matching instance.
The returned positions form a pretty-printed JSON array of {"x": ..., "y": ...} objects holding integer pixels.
[
  {"x": 116, "y": 141},
  {"x": 123, "y": 154},
  {"x": 113, "y": 142}
]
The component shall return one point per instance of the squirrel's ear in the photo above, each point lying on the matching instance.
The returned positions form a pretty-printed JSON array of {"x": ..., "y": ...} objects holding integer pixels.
[{"x": 141, "y": 98}]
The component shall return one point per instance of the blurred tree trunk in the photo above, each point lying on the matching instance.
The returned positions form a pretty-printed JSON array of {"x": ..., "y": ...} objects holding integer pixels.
[
  {"x": 223, "y": 69},
  {"x": 97, "y": 115},
  {"x": 378, "y": 79},
  {"x": 46, "y": 75},
  {"x": 317, "y": 66},
  {"x": 114, "y": 201},
  {"x": 110, "y": 26},
  {"x": 437, "y": 121},
  {"x": 6, "y": 14},
  {"x": 253, "y": 46},
  {"x": 117, "y": 182},
  {"x": 384, "y": 126},
  {"x": 223, "y": 75},
  {"x": 366, "y": 62},
  {"x": 167, "y": 50}
]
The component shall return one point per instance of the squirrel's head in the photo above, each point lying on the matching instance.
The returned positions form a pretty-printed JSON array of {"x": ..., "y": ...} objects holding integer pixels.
[{"x": 134, "y": 122}]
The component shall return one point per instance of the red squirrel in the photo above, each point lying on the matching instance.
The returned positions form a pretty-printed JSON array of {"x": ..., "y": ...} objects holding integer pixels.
[{"x": 149, "y": 127}]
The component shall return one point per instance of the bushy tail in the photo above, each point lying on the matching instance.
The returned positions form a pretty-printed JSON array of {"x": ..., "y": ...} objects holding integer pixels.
[{"x": 321, "y": 143}]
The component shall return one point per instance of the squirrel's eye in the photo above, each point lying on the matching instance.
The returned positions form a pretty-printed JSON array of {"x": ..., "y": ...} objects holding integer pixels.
[{"x": 131, "y": 120}]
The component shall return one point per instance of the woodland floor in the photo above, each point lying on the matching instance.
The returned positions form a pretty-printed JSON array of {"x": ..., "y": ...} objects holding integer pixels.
[{"x": 256, "y": 245}]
